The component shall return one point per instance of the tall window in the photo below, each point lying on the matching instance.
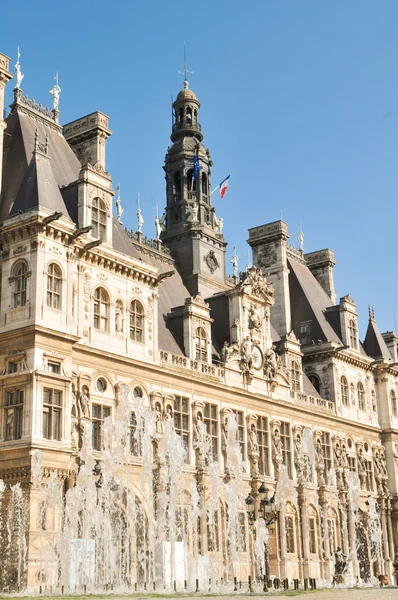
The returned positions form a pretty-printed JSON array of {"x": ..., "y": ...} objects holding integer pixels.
[
  {"x": 181, "y": 422},
  {"x": 101, "y": 309},
  {"x": 136, "y": 321},
  {"x": 210, "y": 419},
  {"x": 54, "y": 286},
  {"x": 352, "y": 463},
  {"x": 352, "y": 330},
  {"x": 287, "y": 448},
  {"x": 361, "y": 396},
  {"x": 327, "y": 450},
  {"x": 393, "y": 403},
  {"x": 52, "y": 411},
  {"x": 99, "y": 413},
  {"x": 201, "y": 344},
  {"x": 263, "y": 445},
  {"x": 312, "y": 535},
  {"x": 289, "y": 527},
  {"x": 13, "y": 414},
  {"x": 98, "y": 219},
  {"x": 204, "y": 185},
  {"x": 20, "y": 283},
  {"x": 295, "y": 376},
  {"x": 344, "y": 391}
]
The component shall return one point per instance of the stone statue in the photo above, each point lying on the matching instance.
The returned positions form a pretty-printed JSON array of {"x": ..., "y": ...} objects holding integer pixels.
[
  {"x": 158, "y": 228},
  {"x": 234, "y": 262},
  {"x": 228, "y": 351},
  {"x": 219, "y": 224},
  {"x": 246, "y": 349},
  {"x": 340, "y": 564},
  {"x": 118, "y": 317},
  {"x": 159, "y": 419},
  {"x": 320, "y": 462},
  {"x": 225, "y": 433},
  {"x": 299, "y": 458},
  {"x": 55, "y": 92},
  {"x": 195, "y": 210},
  {"x": 200, "y": 430},
  {"x": 271, "y": 365},
  {"x": 18, "y": 74},
  {"x": 119, "y": 207},
  {"x": 74, "y": 403},
  {"x": 85, "y": 403},
  {"x": 344, "y": 457},
  {"x": 168, "y": 417},
  {"x": 362, "y": 471},
  {"x": 253, "y": 442},
  {"x": 277, "y": 448},
  {"x": 139, "y": 215},
  {"x": 255, "y": 321}
]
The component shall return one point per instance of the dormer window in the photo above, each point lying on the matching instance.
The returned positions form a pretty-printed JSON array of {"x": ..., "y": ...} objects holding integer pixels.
[
  {"x": 201, "y": 344},
  {"x": 353, "y": 333},
  {"x": 98, "y": 219}
]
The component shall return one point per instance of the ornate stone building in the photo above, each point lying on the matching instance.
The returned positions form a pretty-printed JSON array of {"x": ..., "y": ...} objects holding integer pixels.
[{"x": 88, "y": 308}]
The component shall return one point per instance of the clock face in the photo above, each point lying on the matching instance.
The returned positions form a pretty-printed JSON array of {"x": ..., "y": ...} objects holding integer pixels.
[{"x": 257, "y": 357}]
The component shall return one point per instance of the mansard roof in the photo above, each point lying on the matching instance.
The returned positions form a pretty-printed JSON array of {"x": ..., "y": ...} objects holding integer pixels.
[{"x": 374, "y": 343}]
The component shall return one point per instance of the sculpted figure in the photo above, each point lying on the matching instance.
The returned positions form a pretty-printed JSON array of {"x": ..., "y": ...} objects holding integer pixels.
[
  {"x": 85, "y": 403},
  {"x": 362, "y": 472},
  {"x": 159, "y": 419},
  {"x": 255, "y": 321},
  {"x": 271, "y": 366},
  {"x": 200, "y": 430},
  {"x": 340, "y": 561},
  {"x": 299, "y": 458},
  {"x": 253, "y": 442},
  {"x": 228, "y": 351},
  {"x": 118, "y": 317},
  {"x": 225, "y": 432},
  {"x": 168, "y": 417},
  {"x": 277, "y": 448}
]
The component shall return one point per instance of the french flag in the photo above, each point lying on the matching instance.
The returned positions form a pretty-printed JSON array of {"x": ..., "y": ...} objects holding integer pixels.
[{"x": 223, "y": 186}]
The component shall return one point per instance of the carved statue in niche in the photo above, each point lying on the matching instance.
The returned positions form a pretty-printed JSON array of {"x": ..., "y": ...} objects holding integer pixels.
[
  {"x": 344, "y": 457},
  {"x": 299, "y": 462},
  {"x": 255, "y": 321},
  {"x": 246, "y": 352},
  {"x": 271, "y": 364},
  {"x": 200, "y": 430},
  {"x": 169, "y": 418},
  {"x": 362, "y": 471},
  {"x": 74, "y": 436},
  {"x": 253, "y": 441},
  {"x": 159, "y": 419},
  {"x": 119, "y": 316},
  {"x": 381, "y": 474},
  {"x": 229, "y": 351},
  {"x": 320, "y": 462},
  {"x": 225, "y": 433},
  {"x": 84, "y": 401},
  {"x": 277, "y": 449},
  {"x": 74, "y": 403}
]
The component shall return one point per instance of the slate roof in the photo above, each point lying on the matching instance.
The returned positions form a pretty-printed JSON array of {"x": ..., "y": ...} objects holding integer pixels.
[{"x": 374, "y": 344}]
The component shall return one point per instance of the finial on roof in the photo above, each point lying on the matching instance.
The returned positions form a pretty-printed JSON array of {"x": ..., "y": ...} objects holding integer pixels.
[
  {"x": 234, "y": 261},
  {"x": 18, "y": 74},
  {"x": 248, "y": 264},
  {"x": 119, "y": 207},
  {"x": 185, "y": 70},
  {"x": 139, "y": 215},
  {"x": 371, "y": 312},
  {"x": 55, "y": 92},
  {"x": 300, "y": 238}
]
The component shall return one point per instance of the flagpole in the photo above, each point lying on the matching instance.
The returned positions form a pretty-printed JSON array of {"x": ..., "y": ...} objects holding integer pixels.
[{"x": 216, "y": 188}]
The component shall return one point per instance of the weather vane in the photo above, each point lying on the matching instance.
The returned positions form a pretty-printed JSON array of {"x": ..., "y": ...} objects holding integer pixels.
[{"x": 185, "y": 70}]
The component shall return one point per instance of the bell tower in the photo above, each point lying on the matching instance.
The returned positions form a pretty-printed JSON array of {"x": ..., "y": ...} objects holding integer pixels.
[{"x": 192, "y": 231}]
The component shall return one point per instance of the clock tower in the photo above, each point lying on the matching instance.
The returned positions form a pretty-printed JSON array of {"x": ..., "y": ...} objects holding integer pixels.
[{"x": 192, "y": 231}]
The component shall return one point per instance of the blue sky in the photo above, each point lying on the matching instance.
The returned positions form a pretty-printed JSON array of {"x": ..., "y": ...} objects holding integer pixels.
[{"x": 299, "y": 101}]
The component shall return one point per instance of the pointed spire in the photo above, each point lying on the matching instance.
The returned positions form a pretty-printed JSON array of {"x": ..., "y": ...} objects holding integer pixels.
[
  {"x": 139, "y": 215},
  {"x": 119, "y": 207},
  {"x": 18, "y": 74}
]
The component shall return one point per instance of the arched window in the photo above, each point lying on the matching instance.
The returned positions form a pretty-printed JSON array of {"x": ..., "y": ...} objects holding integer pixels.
[
  {"x": 54, "y": 286},
  {"x": 204, "y": 185},
  {"x": 189, "y": 116},
  {"x": 101, "y": 309},
  {"x": 344, "y": 391},
  {"x": 201, "y": 344},
  {"x": 352, "y": 328},
  {"x": 98, "y": 219},
  {"x": 191, "y": 182},
  {"x": 20, "y": 272},
  {"x": 315, "y": 382},
  {"x": 361, "y": 396},
  {"x": 393, "y": 403},
  {"x": 136, "y": 321},
  {"x": 295, "y": 376}
]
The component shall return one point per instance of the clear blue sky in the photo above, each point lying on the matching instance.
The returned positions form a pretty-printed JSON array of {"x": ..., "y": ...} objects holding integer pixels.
[{"x": 299, "y": 101}]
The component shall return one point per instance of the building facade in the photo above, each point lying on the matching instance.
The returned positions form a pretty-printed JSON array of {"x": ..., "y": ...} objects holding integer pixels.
[{"x": 263, "y": 361}]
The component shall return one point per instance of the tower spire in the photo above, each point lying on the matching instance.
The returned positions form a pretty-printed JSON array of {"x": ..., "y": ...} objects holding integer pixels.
[{"x": 185, "y": 70}]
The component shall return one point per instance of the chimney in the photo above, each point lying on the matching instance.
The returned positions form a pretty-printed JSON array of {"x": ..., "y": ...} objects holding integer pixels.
[
  {"x": 321, "y": 264},
  {"x": 5, "y": 77},
  {"x": 87, "y": 137}
]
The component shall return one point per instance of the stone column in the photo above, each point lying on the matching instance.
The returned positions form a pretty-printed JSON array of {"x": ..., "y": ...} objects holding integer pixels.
[
  {"x": 5, "y": 77},
  {"x": 303, "y": 507},
  {"x": 282, "y": 542},
  {"x": 326, "y": 542}
]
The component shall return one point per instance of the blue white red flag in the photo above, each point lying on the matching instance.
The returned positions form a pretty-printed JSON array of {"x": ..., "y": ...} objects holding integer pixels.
[
  {"x": 196, "y": 166},
  {"x": 223, "y": 186}
]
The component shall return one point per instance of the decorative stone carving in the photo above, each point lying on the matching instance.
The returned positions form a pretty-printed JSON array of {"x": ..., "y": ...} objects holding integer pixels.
[
  {"x": 84, "y": 402},
  {"x": 299, "y": 461},
  {"x": 380, "y": 470},
  {"x": 119, "y": 316},
  {"x": 277, "y": 447},
  {"x": 266, "y": 257},
  {"x": 320, "y": 462},
  {"x": 254, "y": 281},
  {"x": 229, "y": 351},
  {"x": 159, "y": 419},
  {"x": 272, "y": 364},
  {"x": 362, "y": 471},
  {"x": 211, "y": 261}
]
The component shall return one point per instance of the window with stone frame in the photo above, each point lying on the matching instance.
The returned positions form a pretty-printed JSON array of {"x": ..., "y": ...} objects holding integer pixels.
[
  {"x": 353, "y": 333},
  {"x": 98, "y": 219},
  {"x": 352, "y": 463},
  {"x": 263, "y": 445},
  {"x": 101, "y": 309},
  {"x": 393, "y": 399},
  {"x": 305, "y": 333},
  {"x": 52, "y": 414},
  {"x": 210, "y": 419},
  {"x": 344, "y": 391},
  {"x": 369, "y": 476},
  {"x": 295, "y": 376},
  {"x": 20, "y": 280},
  {"x": 98, "y": 414},
  {"x": 284, "y": 431},
  {"x": 13, "y": 414},
  {"x": 181, "y": 422},
  {"x": 289, "y": 532},
  {"x": 361, "y": 396},
  {"x": 54, "y": 286},
  {"x": 312, "y": 535},
  {"x": 13, "y": 366},
  {"x": 327, "y": 450},
  {"x": 240, "y": 432},
  {"x": 201, "y": 344},
  {"x": 136, "y": 321}
]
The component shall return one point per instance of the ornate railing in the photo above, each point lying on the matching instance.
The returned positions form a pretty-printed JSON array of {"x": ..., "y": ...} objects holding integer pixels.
[
  {"x": 38, "y": 107},
  {"x": 313, "y": 401},
  {"x": 176, "y": 360},
  {"x": 141, "y": 239},
  {"x": 180, "y": 125}
]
